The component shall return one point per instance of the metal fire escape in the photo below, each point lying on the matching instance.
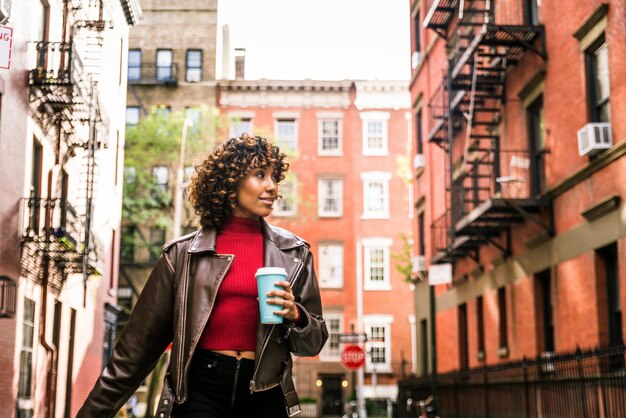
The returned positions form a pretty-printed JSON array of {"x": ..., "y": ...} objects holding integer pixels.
[
  {"x": 488, "y": 186},
  {"x": 63, "y": 98}
]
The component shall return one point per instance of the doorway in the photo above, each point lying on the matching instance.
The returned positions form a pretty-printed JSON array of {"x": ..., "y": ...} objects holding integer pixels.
[{"x": 332, "y": 395}]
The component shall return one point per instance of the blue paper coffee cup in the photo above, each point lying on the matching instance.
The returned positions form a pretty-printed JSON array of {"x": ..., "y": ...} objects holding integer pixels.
[{"x": 265, "y": 279}]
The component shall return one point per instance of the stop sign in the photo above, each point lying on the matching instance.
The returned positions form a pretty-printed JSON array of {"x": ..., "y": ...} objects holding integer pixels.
[{"x": 353, "y": 357}]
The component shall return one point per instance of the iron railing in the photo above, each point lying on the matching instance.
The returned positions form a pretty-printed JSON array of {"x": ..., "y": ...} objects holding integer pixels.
[
  {"x": 589, "y": 384},
  {"x": 150, "y": 74}
]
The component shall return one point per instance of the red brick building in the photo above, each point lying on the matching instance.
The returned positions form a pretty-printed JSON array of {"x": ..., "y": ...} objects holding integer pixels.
[
  {"x": 519, "y": 132},
  {"x": 349, "y": 197}
]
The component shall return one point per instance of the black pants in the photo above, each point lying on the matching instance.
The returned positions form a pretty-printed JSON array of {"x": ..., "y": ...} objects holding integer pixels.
[{"x": 219, "y": 387}]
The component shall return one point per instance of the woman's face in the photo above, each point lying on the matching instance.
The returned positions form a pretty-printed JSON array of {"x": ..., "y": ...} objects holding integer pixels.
[{"x": 256, "y": 193}]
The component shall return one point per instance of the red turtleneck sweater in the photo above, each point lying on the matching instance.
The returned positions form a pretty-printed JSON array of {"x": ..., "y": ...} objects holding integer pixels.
[{"x": 233, "y": 321}]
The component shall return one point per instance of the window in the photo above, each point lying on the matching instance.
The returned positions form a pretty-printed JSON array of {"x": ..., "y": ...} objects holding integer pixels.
[
  {"x": 608, "y": 276},
  {"x": 543, "y": 309},
  {"x": 480, "y": 328},
  {"x": 330, "y": 197},
  {"x": 132, "y": 115},
  {"x": 463, "y": 346},
  {"x": 421, "y": 236},
  {"x": 375, "y": 133},
  {"x": 375, "y": 195},
  {"x": 332, "y": 349},
  {"x": 163, "y": 111},
  {"x": 160, "y": 175},
  {"x": 330, "y": 141},
  {"x": 194, "y": 65},
  {"x": 287, "y": 204},
  {"x": 423, "y": 350},
  {"x": 598, "y": 89},
  {"x": 376, "y": 260},
  {"x": 416, "y": 56},
  {"x": 164, "y": 64},
  {"x": 331, "y": 265},
  {"x": 134, "y": 64},
  {"x": 419, "y": 146},
  {"x": 25, "y": 384},
  {"x": 503, "y": 350},
  {"x": 286, "y": 133},
  {"x": 537, "y": 141},
  {"x": 533, "y": 16},
  {"x": 240, "y": 125},
  {"x": 378, "y": 330},
  {"x": 157, "y": 238}
]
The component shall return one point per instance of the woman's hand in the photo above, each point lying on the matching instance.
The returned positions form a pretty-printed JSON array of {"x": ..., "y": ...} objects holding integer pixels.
[{"x": 284, "y": 298}]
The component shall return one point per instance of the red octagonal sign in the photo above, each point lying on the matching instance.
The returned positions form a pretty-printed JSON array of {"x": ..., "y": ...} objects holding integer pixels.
[{"x": 353, "y": 357}]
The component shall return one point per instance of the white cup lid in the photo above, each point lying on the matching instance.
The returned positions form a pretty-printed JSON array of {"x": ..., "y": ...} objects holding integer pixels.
[{"x": 271, "y": 270}]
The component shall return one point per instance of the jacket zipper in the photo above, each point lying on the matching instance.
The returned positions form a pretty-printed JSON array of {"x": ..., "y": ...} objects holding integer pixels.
[
  {"x": 183, "y": 371},
  {"x": 179, "y": 384},
  {"x": 258, "y": 361},
  {"x": 232, "y": 397}
]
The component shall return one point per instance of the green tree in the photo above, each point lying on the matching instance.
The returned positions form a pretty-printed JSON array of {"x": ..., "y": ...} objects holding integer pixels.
[{"x": 152, "y": 145}]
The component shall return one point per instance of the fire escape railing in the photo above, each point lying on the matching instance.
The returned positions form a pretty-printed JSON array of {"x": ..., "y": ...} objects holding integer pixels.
[
  {"x": 64, "y": 100},
  {"x": 153, "y": 74},
  {"x": 482, "y": 41}
]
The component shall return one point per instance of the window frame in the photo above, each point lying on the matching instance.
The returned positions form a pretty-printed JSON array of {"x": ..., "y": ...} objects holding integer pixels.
[
  {"x": 366, "y": 119},
  {"x": 338, "y": 194},
  {"x": 159, "y": 67},
  {"x": 368, "y": 179},
  {"x": 332, "y": 152},
  {"x": 594, "y": 102},
  {"x": 327, "y": 354},
  {"x": 379, "y": 321},
  {"x": 133, "y": 108},
  {"x": 237, "y": 122},
  {"x": 327, "y": 259},
  {"x": 290, "y": 144},
  {"x": 188, "y": 67},
  {"x": 369, "y": 245},
  {"x": 134, "y": 67}
]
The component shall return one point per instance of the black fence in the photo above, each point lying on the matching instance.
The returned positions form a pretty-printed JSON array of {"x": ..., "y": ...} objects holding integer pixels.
[{"x": 589, "y": 384}]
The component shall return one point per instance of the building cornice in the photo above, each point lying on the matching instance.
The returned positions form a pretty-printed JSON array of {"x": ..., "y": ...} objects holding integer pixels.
[
  {"x": 285, "y": 93},
  {"x": 132, "y": 11}
]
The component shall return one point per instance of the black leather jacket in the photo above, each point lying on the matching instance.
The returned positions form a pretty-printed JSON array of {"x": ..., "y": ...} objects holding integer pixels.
[{"x": 175, "y": 305}]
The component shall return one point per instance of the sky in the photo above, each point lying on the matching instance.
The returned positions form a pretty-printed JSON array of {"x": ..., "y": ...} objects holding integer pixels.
[{"x": 321, "y": 39}]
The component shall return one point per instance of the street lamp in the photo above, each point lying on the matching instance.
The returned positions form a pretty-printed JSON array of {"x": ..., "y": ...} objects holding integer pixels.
[{"x": 178, "y": 197}]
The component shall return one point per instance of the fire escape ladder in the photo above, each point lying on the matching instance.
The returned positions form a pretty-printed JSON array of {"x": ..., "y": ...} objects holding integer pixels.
[{"x": 63, "y": 93}]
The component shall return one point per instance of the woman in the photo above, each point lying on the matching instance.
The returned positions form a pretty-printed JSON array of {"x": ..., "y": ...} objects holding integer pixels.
[{"x": 201, "y": 296}]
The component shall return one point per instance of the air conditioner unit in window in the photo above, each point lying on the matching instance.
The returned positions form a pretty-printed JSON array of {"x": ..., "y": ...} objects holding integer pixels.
[
  {"x": 594, "y": 138},
  {"x": 418, "y": 161},
  {"x": 418, "y": 264}
]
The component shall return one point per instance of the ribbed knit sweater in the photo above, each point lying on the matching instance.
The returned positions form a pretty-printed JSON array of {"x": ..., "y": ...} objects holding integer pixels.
[{"x": 235, "y": 315}]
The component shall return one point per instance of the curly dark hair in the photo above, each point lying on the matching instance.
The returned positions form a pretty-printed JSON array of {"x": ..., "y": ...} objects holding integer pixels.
[{"x": 213, "y": 188}]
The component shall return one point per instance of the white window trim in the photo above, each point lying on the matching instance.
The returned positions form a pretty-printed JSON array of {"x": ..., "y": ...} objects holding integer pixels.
[
  {"x": 339, "y": 284},
  {"x": 324, "y": 354},
  {"x": 375, "y": 116},
  {"x": 377, "y": 177},
  {"x": 295, "y": 132},
  {"x": 327, "y": 214},
  {"x": 330, "y": 153},
  {"x": 294, "y": 209},
  {"x": 384, "y": 320},
  {"x": 385, "y": 244}
]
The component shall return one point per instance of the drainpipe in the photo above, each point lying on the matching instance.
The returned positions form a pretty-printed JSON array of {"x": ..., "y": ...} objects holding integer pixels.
[{"x": 51, "y": 350}]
